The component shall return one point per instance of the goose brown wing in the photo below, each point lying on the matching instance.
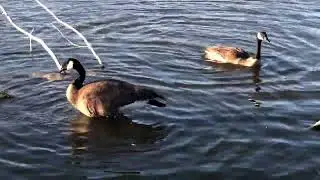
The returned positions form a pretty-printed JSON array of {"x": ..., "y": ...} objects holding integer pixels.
[
  {"x": 225, "y": 54},
  {"x": 108, "y": 93}
]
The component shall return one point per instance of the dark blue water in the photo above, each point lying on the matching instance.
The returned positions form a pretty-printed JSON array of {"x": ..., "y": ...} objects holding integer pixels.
[{"x": 210, "y": 129}]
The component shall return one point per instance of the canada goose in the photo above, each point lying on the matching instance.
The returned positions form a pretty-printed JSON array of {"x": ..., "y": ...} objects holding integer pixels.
[
  {"x": 104, "y": 98},
  {"x": 224, "y": 54}
]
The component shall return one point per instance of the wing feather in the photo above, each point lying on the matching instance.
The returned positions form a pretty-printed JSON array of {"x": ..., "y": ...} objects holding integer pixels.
[{"x": 225, "y": 54}]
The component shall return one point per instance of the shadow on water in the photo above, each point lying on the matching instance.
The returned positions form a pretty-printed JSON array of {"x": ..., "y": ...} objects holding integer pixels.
[{"x": 112, "y": 135}]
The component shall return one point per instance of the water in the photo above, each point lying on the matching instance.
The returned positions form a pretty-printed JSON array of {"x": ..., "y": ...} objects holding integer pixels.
[{"x": 210, "y": 128}]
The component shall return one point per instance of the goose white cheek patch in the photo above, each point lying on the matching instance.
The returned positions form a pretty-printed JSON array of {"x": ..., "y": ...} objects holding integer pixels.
[
  {"x": 70, "y": 65},
  {"x": 260, "y": 36}
]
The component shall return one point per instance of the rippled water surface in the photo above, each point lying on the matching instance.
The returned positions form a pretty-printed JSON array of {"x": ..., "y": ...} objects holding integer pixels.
[{"x": 211, "y": 127}]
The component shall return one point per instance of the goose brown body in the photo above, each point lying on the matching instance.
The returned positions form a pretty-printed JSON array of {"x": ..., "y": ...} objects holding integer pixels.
[
  {"x": 233, "y": 55},
  {"x": 225, "y": 54},
  {"x": 103, "y": 98}
]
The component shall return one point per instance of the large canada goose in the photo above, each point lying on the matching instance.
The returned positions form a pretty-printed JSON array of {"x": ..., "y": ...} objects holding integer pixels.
[
  {"x": 225, "y": 54},
  {"x": 104, "y": 98}
]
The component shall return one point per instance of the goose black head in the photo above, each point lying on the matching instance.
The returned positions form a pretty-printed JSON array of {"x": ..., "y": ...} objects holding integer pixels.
[
  {"x": 262, "y": 36},
  {"x": 71, "y": 63}
]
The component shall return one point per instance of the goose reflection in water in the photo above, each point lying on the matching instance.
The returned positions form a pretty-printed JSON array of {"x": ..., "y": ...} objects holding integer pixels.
[
  {"x": 255, "y": 76},
  {"x": 230, "y": 67},
  {"x": 115, "y": 134}
]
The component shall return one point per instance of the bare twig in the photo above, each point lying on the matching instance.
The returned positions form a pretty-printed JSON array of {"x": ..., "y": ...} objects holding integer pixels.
[
  {"x": 73, "y": 29},
  {"x": 44, "y": 45},
  {"x": 30, "y": 42},
  {"x": 70, "y": 42}
]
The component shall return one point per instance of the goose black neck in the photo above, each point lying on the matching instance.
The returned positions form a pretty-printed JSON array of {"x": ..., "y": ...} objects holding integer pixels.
[
  {"x": 82, "y": 75},
  {"x": 258, "y": 53}
]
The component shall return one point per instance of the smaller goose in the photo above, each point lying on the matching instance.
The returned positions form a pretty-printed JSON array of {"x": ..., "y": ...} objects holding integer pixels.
[
  {"x": 232, "y": 55},
  {"x": 104, "y": 98}
]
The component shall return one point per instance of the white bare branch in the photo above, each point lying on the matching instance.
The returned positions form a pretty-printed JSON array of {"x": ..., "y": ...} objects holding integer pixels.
[
  {"x": 73, "y": 29},
  {"x": 70, "y": 42},
  {"x": 44, "y": 45},
  {"x": 30, "y": 42}
]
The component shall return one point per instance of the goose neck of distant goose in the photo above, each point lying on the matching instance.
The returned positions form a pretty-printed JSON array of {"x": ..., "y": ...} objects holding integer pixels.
[
  {"x": 258, "y": 53},
  {"x": 78, "y": 83}
]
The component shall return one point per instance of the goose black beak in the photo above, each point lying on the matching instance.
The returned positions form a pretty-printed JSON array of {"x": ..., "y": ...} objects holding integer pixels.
[
  {"x": 267, "y": 39},
  {"x": 63, "y": 70}
]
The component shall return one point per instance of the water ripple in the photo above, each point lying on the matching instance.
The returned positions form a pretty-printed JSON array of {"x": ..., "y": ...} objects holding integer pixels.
[{"x": 220, "y": 121}]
